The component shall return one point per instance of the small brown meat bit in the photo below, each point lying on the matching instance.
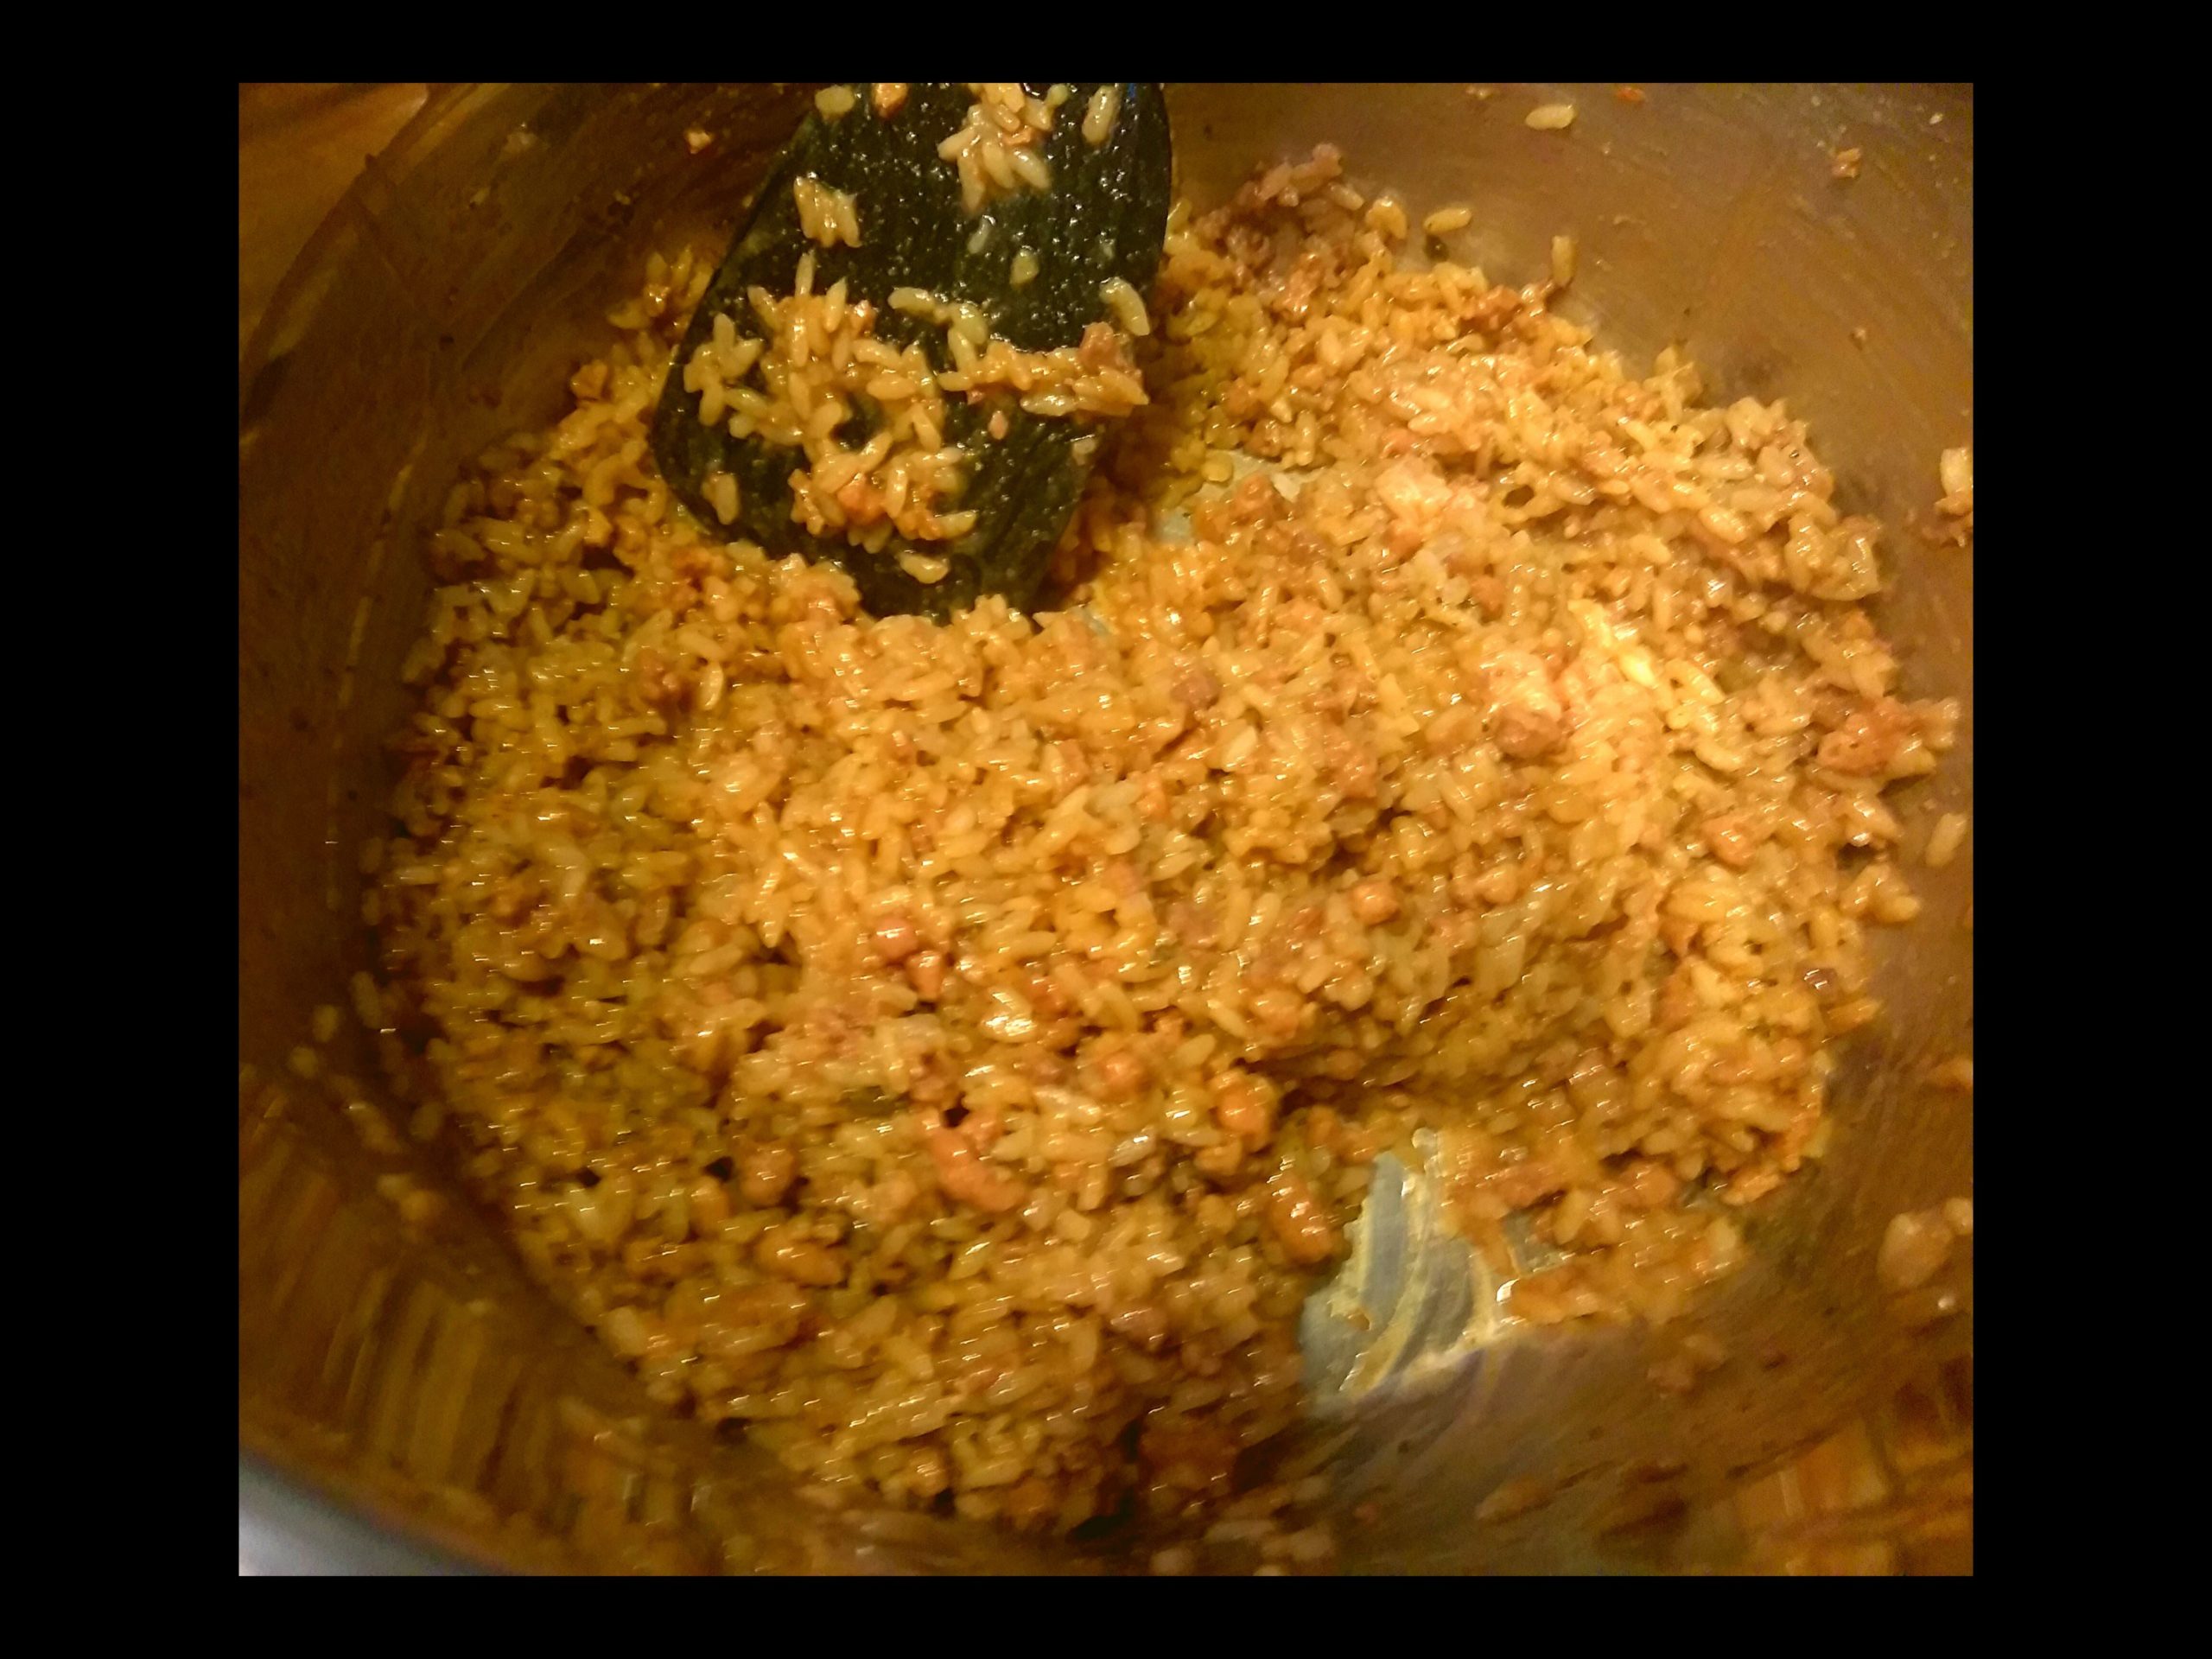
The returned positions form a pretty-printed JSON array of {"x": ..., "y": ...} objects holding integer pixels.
[
  {"x": 1373, "y": 900},
  {"x": 965, "y": 1176},
  {"x": 863, "y": 503},
  {"x": 766, "y": 1175},
  {"x": 709, "y": 1205},
  {"x": 1101, "y": 348},
  {"x": 1253, "y": 500},
  {"x": 925, "y": 973},
  {"x": 1198, "y": 686},
  {"x": 1733, "y": 837},
  {"x": 1117, "y": 1071},
  {"x": 787, "y": 1252},
  {"x": 1527, "y": 719},
  {"x": 1300, "y": 1224},
  {"x": 1244, "y": 1105},
  {"x": 1868, "y": 738},
  {"x": 657, "y": 682},
  {"x": 895, "y": 939}
]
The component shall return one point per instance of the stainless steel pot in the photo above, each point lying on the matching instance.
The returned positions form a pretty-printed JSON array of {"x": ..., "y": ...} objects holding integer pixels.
[{"x": 408, "y": 1399}]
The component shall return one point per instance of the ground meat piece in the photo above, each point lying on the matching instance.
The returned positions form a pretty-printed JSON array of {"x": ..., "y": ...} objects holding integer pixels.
[
  {"x": 1527, "y": 718},
  {"x": 1302, "y": 1226},
  {"x": 1869, "y": 738}
]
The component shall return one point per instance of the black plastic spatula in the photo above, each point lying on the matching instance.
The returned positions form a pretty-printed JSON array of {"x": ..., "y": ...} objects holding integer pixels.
[{"x": 1105, "y": 217}]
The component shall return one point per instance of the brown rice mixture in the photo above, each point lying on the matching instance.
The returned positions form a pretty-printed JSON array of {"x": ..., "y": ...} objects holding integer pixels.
[{"x": 955, "y": 1051}]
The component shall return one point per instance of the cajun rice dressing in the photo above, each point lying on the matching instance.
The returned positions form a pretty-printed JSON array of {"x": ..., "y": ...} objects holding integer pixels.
[
  {"x": 817, "y": 358},
  {"x": 955, "y": 1051}
]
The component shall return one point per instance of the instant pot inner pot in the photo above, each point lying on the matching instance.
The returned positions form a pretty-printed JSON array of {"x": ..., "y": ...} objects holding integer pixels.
[{"x": 407, "y": 1397}]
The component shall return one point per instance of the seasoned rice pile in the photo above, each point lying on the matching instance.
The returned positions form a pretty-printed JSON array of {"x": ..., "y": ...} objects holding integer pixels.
[
  {"x": 955, "y": 1051},
  {"x": 817, "y": 362}
]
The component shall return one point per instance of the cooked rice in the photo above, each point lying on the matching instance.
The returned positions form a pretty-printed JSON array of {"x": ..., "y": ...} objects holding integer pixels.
[
  {"x": 834, "y": 101},
  {"x": 1551, "y": 117},
  {"x": 1101, "y": 112},
  {"x": 889, "y": 98},
  {"x": 818, "y": 356},
  {"x": 720, "y": 490},
  {"x": 953, "y": 1050},
  {"x": 1953, "y": 524},
  {"x": 1127, "y": 306},
  {"x": 1095, "y": 377},
  {"x": 1945, "y": 840},
  {"x": 826, "y": 216},
  {"x": 1445, "y": 220},
  {"x": 996, "y": 149}
]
